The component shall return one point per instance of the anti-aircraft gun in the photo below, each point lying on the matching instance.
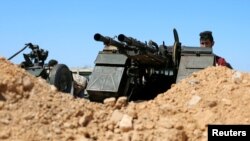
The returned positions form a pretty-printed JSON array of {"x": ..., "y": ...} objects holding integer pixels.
[
  {"x": 55, "y": 74},
  {"x": 138, "y": 70}
]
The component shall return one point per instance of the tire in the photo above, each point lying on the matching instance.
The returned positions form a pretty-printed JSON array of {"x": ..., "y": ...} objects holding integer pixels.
[{"x": 61, "y": 77}]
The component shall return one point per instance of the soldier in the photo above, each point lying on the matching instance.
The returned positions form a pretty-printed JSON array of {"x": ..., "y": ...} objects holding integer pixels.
[
  {"x": 207, "y": 40},
  {"x": 80, "y": 84}
]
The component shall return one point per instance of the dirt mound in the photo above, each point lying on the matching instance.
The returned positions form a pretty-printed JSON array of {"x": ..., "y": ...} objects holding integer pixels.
[{"x": 30, "y": 109}]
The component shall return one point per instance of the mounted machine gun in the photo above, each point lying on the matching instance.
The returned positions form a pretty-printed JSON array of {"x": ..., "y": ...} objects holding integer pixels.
[
  {"x": 138, "y": 70},
  {"x": 55, "y": 74}
]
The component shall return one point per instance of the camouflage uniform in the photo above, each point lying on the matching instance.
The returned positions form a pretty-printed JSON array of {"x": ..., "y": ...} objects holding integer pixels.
[{"x": 80, "y": 84}]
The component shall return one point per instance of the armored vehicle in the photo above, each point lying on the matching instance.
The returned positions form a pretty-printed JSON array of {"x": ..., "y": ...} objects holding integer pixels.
[{"x": 138, "y": 70}]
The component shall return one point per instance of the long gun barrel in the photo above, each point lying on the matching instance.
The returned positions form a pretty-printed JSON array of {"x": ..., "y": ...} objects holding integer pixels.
[
  {"x": 148, "y": 53},
  {"x": 133, "y": 42},
  {"x": 108, "y": 41},
  {"x": 141, "y": 52}
]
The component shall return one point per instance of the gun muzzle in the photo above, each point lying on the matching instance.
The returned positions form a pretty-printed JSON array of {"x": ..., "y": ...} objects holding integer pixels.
[
  {"x": 108, "y": 41},
  {"x": 125, "y": 39},
  {"x": 99, "y": 37}
]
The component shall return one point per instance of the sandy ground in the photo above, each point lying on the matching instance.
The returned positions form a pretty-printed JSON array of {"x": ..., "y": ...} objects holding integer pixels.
[{"x": 32, "y": 110}]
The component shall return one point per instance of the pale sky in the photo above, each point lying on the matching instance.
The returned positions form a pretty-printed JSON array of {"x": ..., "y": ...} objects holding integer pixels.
[{"x": 66, "y": 27}]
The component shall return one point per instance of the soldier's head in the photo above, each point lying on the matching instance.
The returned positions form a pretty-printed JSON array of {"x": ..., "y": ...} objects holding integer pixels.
[{"x": 206, "y": 39}]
